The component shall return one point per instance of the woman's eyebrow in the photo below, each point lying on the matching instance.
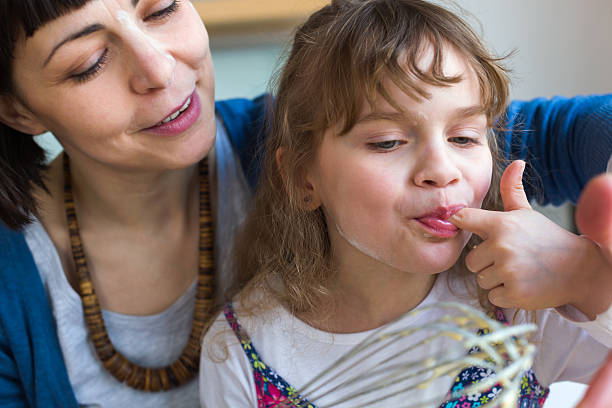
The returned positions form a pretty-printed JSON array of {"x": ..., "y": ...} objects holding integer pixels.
[{"x": 82, "y": 33}]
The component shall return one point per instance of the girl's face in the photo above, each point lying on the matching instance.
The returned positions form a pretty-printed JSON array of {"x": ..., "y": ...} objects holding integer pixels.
[
  {"x": 104, "y": 77},
  {"x": 388, "y": 186}
]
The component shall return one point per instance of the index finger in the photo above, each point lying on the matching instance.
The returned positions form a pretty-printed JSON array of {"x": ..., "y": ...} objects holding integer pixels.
[{"x": 480, "y": 222}]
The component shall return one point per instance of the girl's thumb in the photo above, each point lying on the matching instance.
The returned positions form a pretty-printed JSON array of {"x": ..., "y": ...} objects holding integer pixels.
[{"x": 511, "y": 187}]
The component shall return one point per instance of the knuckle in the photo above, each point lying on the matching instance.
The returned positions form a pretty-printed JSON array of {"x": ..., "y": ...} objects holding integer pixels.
[{"x": 470, "y": 263}]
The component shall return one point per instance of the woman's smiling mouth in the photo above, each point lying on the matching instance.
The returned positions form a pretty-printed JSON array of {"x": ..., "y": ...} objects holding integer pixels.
[
  {"x": 177, "y": 113},
  {"x": 181, "y": 118}
]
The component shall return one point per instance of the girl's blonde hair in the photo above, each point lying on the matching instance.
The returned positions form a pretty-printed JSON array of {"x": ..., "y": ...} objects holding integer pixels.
[{"x": 340, "y": 58}]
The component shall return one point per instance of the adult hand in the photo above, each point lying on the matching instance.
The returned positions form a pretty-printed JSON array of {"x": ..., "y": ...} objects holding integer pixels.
[
  {"x": 594, "y": 213},
  {"x": 594, "y": 219},
  {"x": 527, "y": 261}
]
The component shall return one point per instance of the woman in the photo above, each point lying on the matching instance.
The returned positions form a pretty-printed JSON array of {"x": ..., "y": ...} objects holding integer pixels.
[{"x": 150, "y": 175}]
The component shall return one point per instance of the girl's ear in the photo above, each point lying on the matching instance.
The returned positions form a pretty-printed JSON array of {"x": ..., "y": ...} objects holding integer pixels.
[
  {"x": 311, "y": 199},
  {"x": 307, "y": 196},
  {"x": 14, "y": 114}
]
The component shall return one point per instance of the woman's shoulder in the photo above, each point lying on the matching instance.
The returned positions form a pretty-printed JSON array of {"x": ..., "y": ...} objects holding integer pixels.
[
  {"x": 244, "y": 121},
  {"x": 50, "y": 202}
]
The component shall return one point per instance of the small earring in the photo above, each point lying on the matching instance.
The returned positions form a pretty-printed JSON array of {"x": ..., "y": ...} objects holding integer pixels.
[{"x": 307, "y": 199}]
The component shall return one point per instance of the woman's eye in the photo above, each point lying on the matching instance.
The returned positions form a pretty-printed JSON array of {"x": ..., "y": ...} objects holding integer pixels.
[
  {"x": 386, "y": 145},
  {"x": 163, "y": 13},
  {"x": 93, "y": 70}
]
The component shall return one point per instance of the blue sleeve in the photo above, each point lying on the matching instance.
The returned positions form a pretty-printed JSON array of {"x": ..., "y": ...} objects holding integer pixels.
[
  {"x": 565, "y": 141},
  {"x": 32, "y": 369}
]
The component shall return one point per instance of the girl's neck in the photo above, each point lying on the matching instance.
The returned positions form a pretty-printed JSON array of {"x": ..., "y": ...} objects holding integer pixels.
[{"x": 367, "y": 296}]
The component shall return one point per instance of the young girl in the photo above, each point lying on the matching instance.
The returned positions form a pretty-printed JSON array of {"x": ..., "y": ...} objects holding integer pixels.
[{"x": 382, "y": 132}]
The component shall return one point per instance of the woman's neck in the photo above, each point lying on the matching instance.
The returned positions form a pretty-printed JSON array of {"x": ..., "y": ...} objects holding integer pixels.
[
  {"x": 139, "y": 231},
  {"x": 140, "y": 200}
]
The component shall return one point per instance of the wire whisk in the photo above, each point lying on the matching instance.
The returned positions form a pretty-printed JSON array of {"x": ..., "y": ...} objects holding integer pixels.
[{"x": 412, "y": 367}]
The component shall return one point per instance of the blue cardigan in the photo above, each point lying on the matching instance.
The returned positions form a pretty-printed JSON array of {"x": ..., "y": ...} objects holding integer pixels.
[{"x": 566, "y": 141}]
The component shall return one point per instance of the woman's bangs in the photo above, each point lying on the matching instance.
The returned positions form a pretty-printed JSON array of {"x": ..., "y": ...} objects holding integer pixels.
[{"x": 33, "y": 14}]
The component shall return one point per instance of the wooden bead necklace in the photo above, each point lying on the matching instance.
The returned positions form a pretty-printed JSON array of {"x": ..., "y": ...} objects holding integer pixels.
[{"x": 186, "y": 367}]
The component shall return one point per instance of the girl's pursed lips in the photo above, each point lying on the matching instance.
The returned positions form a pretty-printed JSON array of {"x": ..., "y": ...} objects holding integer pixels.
[
  {"x": 442, "y": 213},
  {"x": 435, "y": 223}
]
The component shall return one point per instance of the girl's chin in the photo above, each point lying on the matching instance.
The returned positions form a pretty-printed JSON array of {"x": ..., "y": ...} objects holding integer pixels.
[
  {"x": 434, "y": 262},
  {"x": 425, "y": 264}
]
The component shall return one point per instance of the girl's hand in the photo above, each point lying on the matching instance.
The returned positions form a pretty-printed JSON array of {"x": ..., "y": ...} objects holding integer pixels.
[
  {"x": 527, "y": 261},
  {"x": 594, "y": 219}
]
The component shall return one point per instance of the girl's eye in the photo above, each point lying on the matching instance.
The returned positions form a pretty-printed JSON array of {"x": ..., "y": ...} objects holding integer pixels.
[
  {"x": 464, "y": 140},
  {"x": 385, "y": 145},
  {"x": 163, "y": 13},
  {"x": 91, "y": 72}
]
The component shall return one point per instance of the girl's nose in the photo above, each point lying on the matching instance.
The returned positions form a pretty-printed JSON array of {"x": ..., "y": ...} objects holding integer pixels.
[
  {"x": 435, "y": 166},
  {"x": 154, "y": 66}
]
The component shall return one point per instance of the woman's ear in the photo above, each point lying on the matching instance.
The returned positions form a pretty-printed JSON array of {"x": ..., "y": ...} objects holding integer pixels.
[
  {"x": 16, "y": 115},
  {"x": 306, "y": 192}
]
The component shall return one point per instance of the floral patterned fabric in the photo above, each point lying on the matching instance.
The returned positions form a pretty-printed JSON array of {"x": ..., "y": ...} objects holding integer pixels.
[
  {"x": 531, "y": 394},
  {"x": 273, "y": 391}
]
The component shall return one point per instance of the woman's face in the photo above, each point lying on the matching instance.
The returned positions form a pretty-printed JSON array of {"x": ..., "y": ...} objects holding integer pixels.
[{"x": 103, "y": 78}]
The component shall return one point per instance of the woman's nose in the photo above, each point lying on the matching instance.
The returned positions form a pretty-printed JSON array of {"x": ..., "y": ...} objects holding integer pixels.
[
  {"x": 154, "y": 67},
  {"x": 435, "y": 166}
]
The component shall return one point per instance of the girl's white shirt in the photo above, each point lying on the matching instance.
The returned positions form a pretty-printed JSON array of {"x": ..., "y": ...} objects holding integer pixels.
[
  {"x": 566, "y": 350},
  {"x": 152, "y": 341}
]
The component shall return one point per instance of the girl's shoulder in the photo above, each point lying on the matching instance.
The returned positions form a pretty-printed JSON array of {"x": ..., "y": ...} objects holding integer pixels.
[{"x": 235, "y": 320}]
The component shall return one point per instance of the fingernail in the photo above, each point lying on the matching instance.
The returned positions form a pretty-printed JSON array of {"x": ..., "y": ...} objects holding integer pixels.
[{"x": 454, "y": 217}]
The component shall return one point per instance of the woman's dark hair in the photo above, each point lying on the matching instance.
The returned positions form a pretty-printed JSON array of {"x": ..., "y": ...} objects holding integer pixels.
[{"x": 21, "y": 158}]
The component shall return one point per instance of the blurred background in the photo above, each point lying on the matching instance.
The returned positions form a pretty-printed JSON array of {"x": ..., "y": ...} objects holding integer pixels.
[{"x": 563, "y": 48}]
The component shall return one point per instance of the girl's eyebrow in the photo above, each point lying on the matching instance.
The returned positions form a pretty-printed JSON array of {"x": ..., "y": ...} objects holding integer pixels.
[
  {"x": 388, "y": 116},
  {"x": 82, "y": 33},
  {"x": 409, "y": 116},
  {"x": 469, "y": 111}
]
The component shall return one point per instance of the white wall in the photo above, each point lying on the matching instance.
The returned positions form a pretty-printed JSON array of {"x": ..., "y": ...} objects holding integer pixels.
[
  {"x": 563, "y": 45},
  {"x": 564, "y": 48}
]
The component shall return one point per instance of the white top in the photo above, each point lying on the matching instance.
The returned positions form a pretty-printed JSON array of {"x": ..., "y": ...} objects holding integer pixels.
[
  {"x": 299, "y": 352},
  {"x": 155, "y": 340}
]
